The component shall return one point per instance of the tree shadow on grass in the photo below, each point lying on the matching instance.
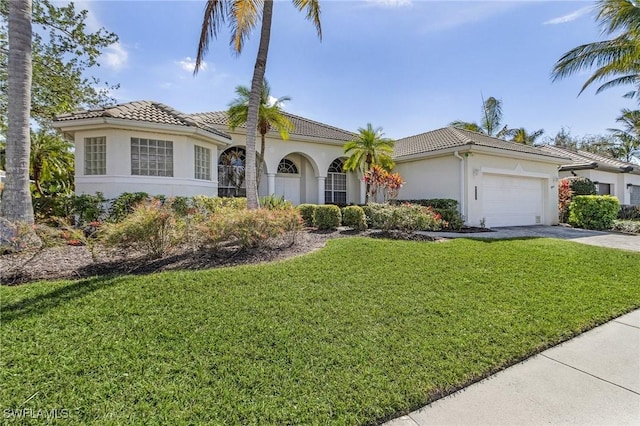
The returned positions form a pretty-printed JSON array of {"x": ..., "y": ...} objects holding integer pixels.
[{"x": 40, "y": 304}]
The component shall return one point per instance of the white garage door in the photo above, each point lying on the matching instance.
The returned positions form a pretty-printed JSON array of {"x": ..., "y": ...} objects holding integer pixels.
[
  {"x": 512, "y": 200},
  {"x": 289, "y": 187}
]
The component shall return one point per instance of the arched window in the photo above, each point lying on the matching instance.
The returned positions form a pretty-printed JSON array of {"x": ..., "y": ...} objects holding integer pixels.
[
  {"x": 231, "y": 172},
  {"x": 335, "y": 186},
  {"x": 287, "y": 166}
]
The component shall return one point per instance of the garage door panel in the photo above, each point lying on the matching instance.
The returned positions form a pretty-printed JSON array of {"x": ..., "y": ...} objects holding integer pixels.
[{"x": 512, "y": 200}]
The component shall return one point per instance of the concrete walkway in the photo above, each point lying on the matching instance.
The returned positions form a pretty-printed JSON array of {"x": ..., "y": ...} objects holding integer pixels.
[
  {"x": 595, "y": 238},
  {"x": 593, "y": 379}
]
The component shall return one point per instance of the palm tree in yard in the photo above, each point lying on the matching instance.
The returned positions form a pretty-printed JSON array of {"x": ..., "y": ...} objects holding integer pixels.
[
  {"x": 367, "y": 149},
  {"x": 617, "y": 60},
  {"x": 16, "y": 197},
  {"x": 521, "y": 135},
  {"x": 628, "y": 137},
  {"x": 491, "y": 121},
  {"x": 242, "y": 17},
  {"x": 270, "y": 116}
]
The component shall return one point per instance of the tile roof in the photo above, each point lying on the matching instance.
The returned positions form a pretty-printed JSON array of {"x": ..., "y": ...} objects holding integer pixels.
[
  {"x": 147, "y": 111},
  {"x": 302, "y": 126},
  {"x": 584, "y": 158},
  {"x": 451, "y": 137}
]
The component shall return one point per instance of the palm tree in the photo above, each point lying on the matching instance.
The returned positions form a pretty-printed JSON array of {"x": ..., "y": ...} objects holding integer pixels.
[
  {"x": 521, "y": 135},
  {"x": 628, "y": 137},
  {"x": 51, "y": 160},
  {"x": 16, "y": 197},
  {"x": 243, "y": 17},
  {"x": 491, "y": 120},
  {"x": 617, "y": 60},
  {"x": 270, "y": 116},
  {"x": 367, "y": 149}
]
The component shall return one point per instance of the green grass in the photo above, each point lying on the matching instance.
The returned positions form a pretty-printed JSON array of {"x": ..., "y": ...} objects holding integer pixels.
[{"x": 352, "y": 334}]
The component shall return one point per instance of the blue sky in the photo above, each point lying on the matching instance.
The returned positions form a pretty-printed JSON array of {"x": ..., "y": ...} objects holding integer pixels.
[{"x": 408, "y": 66}]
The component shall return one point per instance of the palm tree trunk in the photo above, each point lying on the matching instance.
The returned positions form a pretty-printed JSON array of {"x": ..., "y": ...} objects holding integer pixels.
[
  {"x": 261, "y": 160},
  {"x": 254, "y": 105},
  {"x": 16, "y": 198}
]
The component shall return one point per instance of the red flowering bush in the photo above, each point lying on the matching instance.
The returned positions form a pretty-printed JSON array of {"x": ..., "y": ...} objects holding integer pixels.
[
  {"x": 565, "y": 193},
  {"x": 380, "y": 180}
]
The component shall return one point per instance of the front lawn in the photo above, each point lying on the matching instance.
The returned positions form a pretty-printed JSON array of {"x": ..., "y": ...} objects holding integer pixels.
[{"x": 352, "y": 334}]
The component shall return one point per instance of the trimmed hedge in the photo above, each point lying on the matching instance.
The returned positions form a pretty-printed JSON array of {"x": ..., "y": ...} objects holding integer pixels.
[
  {"x": 582, "y": 186},
  {"x": 405, "y": 217},
  {"x": 306, "y": 212},
  {"x": 354, "y": 217},
  {"x": 327, "y": 216},
  {"x": 593, "y": 211},
  {"x": 447, "y": 208},
  {"x": 629, "y": 213}
]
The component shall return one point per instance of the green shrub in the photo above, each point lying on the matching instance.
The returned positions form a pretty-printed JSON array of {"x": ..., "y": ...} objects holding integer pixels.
[
  {"x": 274, "y": 202},
  {"x": 626, "y": 226},
  {"x": 214, "y": 204},
  {"x": 327, "y": 216},
  {"x": 405, "y": 217},
  {"x": 436, "y": 203},
  {"x": 124, "y": 205},
  {"x": 582, "y": 186},
  {"x": 447, "y": 208},
  {"x": 629, "y": 213},
  {"x": 354, "y": 217},
  {"x": 593, "y": 211},
  {"x": 150, "y": 228},
  {"x": 307, "y": 211}
]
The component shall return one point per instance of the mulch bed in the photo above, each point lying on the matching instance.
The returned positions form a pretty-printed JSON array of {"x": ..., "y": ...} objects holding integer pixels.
[{"x": 75, "y": 262}]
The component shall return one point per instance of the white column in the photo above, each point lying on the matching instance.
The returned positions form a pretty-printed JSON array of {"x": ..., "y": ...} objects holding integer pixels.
[
  {"x": 271, "y": 183},
  {"x": 363, "y": 191},
  {"x": 321, "y": 189}
]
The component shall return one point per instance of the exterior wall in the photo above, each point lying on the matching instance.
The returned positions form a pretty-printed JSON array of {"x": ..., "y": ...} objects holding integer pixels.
[
  {"x": 618, "y": 181},
  {"x": 437, "y": 177},
  {"x": 478, "y": 164},
  {"x": 118, "y": 178},
  {"x": 313, "y": 159}
]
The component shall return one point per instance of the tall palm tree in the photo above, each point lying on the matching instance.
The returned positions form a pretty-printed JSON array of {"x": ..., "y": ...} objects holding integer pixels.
[
  {"x": 628, "y": 137},
  {"x": 269, "y": 117},
  {"x": 367, "y": 149},
  {"x": 490, "y": 122},
  {"x": 617, "y": 60},
  {"x": 521, "y": 135},
  {"x": 242, "y": 18},
  {"x": 16, "y": 197}
]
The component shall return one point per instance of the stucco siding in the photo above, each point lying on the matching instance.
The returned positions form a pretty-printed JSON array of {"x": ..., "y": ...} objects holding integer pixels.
[
  {"x": 430, "y": 178},
  {"x": 620, "y": 182}
]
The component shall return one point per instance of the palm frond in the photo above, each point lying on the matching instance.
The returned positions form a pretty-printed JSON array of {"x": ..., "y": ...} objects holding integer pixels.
[
  {"x": 244, "y": 15},
  {"x": 214, "y": 16},
  {"x": 313, "y": 12}
]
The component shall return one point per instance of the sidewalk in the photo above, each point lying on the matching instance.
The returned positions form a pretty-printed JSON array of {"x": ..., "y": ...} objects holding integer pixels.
[{"x": 593, "y": 379}]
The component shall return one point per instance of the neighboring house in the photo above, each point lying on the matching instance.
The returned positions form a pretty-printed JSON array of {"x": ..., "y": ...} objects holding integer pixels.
[
  {"x": 147, "y": 146},
  {"x": 611, "y": 176},
  {"x": 496, "y": 182}
]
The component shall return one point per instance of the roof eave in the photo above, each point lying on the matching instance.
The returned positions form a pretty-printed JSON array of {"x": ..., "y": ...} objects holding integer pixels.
[{"x": 70, "y": 126}]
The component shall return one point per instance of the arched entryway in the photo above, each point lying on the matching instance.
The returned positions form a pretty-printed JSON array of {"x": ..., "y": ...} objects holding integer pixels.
[{"x": 231, "y": 172}]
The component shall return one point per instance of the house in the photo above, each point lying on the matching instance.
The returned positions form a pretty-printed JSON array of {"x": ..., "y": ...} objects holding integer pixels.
[
  {"x": 147, "y": 146},
  {"x": 151, "y": 147},
  {"x": 496, "y": 182},
  {"x": 611, "y": 176}
]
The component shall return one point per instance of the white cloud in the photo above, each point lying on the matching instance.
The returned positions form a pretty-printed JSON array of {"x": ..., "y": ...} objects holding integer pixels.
[
  {"x": 188, "y": 64},
  {"x": 389, "y": 3},
  {"x": 115, "y": 57},
  {"x": 569, "y": 17}
]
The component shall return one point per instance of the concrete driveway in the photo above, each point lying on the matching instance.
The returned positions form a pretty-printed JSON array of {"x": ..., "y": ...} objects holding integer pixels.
[{"x": 594, "y": 238}]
